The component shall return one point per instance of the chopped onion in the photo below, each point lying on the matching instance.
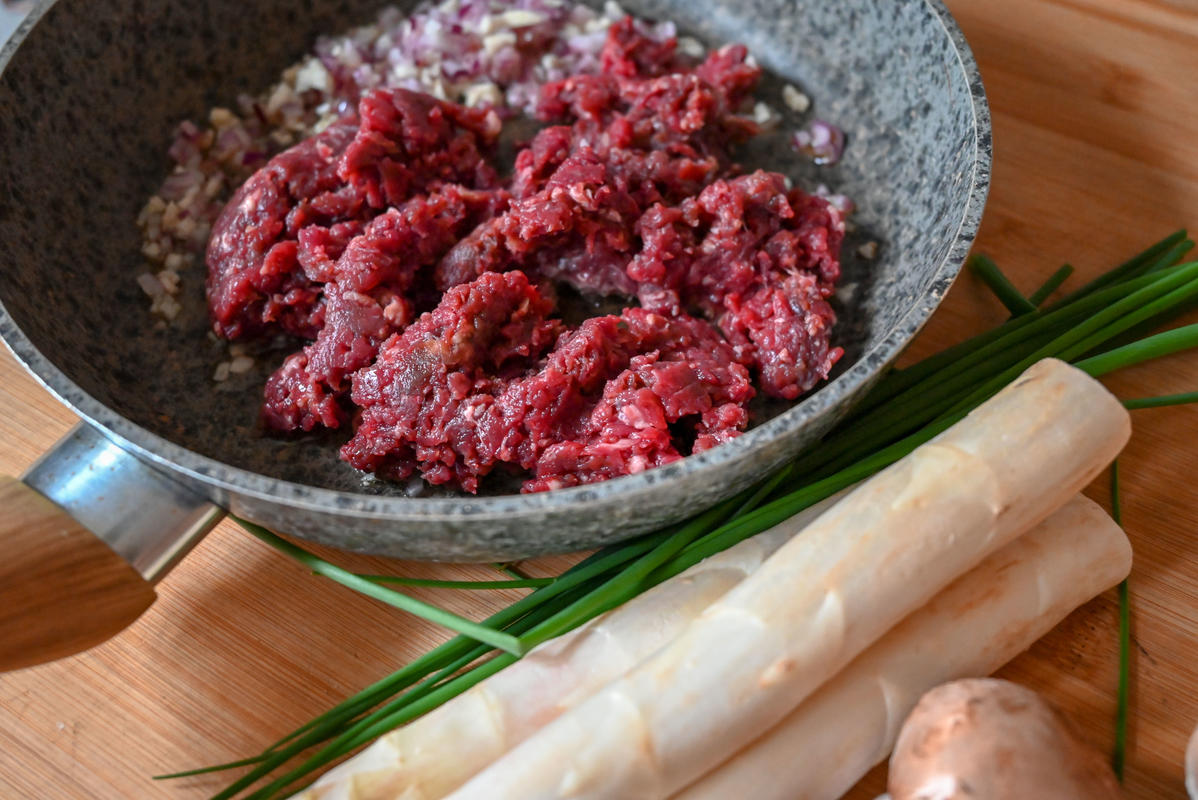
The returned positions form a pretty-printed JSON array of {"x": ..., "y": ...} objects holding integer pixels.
[{"x": 821, "y": 141}]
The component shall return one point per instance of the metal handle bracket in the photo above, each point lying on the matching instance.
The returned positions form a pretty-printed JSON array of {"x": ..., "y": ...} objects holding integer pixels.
[{"x": 146, "y": 516}]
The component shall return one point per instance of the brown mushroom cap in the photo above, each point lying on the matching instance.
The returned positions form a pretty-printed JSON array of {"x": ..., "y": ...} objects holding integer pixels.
[{"x": 987, "y": 739}]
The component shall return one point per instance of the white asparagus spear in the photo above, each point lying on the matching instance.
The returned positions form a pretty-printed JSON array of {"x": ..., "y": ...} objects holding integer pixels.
[
  {"x": 437, "y": 753},
  {"x": 825, "y": 596},
  {"x": 981, "y": 621}
]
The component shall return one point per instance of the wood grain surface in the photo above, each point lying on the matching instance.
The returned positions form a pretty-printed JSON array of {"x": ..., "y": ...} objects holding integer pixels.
[
  {"x": 1096, "y": 154},
  {"x": 39, "y": 543}
]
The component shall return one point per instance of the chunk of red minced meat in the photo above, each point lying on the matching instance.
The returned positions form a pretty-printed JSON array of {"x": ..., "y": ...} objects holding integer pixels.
[
  {"x": 761, "y": 261},
  {"x": 659, "y": 109},
  {"x": 368, "y": 296},
  {"x": 683, "y": 372},
  {"x": 409, "y": 142},
  {"x": 731, "y": 72},
  {"x": 400, "y": 144},
  {"x": 580, "y": 189},
  {"x": 662, "y": 131},
  {"x": 670, "y": 173},
  {"x": 635, "y": 141},
  {"x": 578, "y": 228},
  {"x": 423, "y": 397},
  {"x": 629, "y": 53},
  {"x": 601, "y": 404},
  {"x": 254, "y": 282}
]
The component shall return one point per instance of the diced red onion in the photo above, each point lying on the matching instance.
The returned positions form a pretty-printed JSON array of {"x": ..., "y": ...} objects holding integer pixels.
[
  {"x": 821, "y": 141},
  {"x": 188, "y": 130},
  {"x": 232, "y": 140},
  {"x": 184, "y": 151},
  {"x": 179, "y": 183}
]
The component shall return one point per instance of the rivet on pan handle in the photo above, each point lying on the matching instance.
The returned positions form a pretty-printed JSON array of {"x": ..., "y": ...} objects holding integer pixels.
[{"x": 86, "y": 533}]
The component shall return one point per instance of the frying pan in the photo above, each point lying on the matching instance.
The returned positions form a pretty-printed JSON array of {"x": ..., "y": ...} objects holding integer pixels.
[{"x": 89, "y": 95}]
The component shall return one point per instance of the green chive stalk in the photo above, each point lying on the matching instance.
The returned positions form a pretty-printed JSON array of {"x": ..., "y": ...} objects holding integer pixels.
[
  {"x": 1122, "y": 695},
  {"x": 1054, "y": 282},
  {"x": 1185, "y": 398},
  {"x": 1158, "y": 256},
  {"x": 477, "y": 631},
  {"x": 1006, "y": 293},
  {"x": 432, "y": 583}
]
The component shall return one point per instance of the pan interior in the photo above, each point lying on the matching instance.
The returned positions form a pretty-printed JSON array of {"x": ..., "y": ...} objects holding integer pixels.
[{"x": 90, "y": 101}]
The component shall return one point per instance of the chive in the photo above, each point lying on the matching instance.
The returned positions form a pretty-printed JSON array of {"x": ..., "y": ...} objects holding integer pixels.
[
  {"x": 520, "y": 583},
  {"x": 387, "y": 715},
  {"x": 1140, "y": 331},
  {"x": 1024, "y": 344},
  {"x": 320, "y": 729},
  {"x": 447, "y": 691},
  {"x": 1006, "y": 293},
  {"x": 652, "y": 550},
  {"x": 628, "y": 583},
  {"x": 1162, "y": 344},
  {"x": 1123, "y": 692},
  {"x": 1054, "y": 282},
  {"x": 278, "y": 759},
  {"x": 1128, "y": 269},
  {"x": 900, "y": 380},
  {"x": 1163, "y": 400},
  {"x": 317, "y": 729},
  {"x": 439, "y": 616},
  {"x": 1170, "y": 256},
  {"x": 245, "y": 762},
  {"x": 396, "y": 682},
  {"x": 586, "y": 570},
  {"x": 1181, "y": 283},
  {"x": 430, "y": 679}
]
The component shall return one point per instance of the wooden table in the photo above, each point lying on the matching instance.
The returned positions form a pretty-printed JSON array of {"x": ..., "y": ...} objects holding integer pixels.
[{"x": 1096, "y": 153}]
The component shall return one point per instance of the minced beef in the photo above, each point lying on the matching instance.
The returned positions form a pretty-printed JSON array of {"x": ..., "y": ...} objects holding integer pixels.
[
  {"x": 426, "y": 282},
  {"x": 400, "y": 144},
  {"x": 470, "y": 386},
  {"x": 369, "y": 293}
]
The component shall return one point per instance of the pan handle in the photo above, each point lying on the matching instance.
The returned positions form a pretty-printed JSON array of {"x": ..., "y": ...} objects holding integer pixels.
[{"x": 86, "y": 533}]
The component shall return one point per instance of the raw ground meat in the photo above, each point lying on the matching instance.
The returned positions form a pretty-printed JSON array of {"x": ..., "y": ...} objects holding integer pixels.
[
  {"x": 399, "y": 144},
  {"x": 426, "y": 281},
  {"x": 758, "y": 260},
  {"x": 370, "y": 293},
  {"x": 429, "y": 390},
  {"x": 464, "y": 389},
  {"x": 253, "y": 280}
]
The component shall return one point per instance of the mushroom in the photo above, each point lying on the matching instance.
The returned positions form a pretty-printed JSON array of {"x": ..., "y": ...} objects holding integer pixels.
[{"x": 987, "y": 739}]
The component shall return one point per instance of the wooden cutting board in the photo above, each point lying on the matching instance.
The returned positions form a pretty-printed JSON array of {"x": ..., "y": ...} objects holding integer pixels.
[{"x": 1096, "y": 154}]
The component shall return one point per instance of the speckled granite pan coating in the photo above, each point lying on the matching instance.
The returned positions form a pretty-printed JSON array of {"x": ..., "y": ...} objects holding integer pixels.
[{"x": 87, "y": 105}]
